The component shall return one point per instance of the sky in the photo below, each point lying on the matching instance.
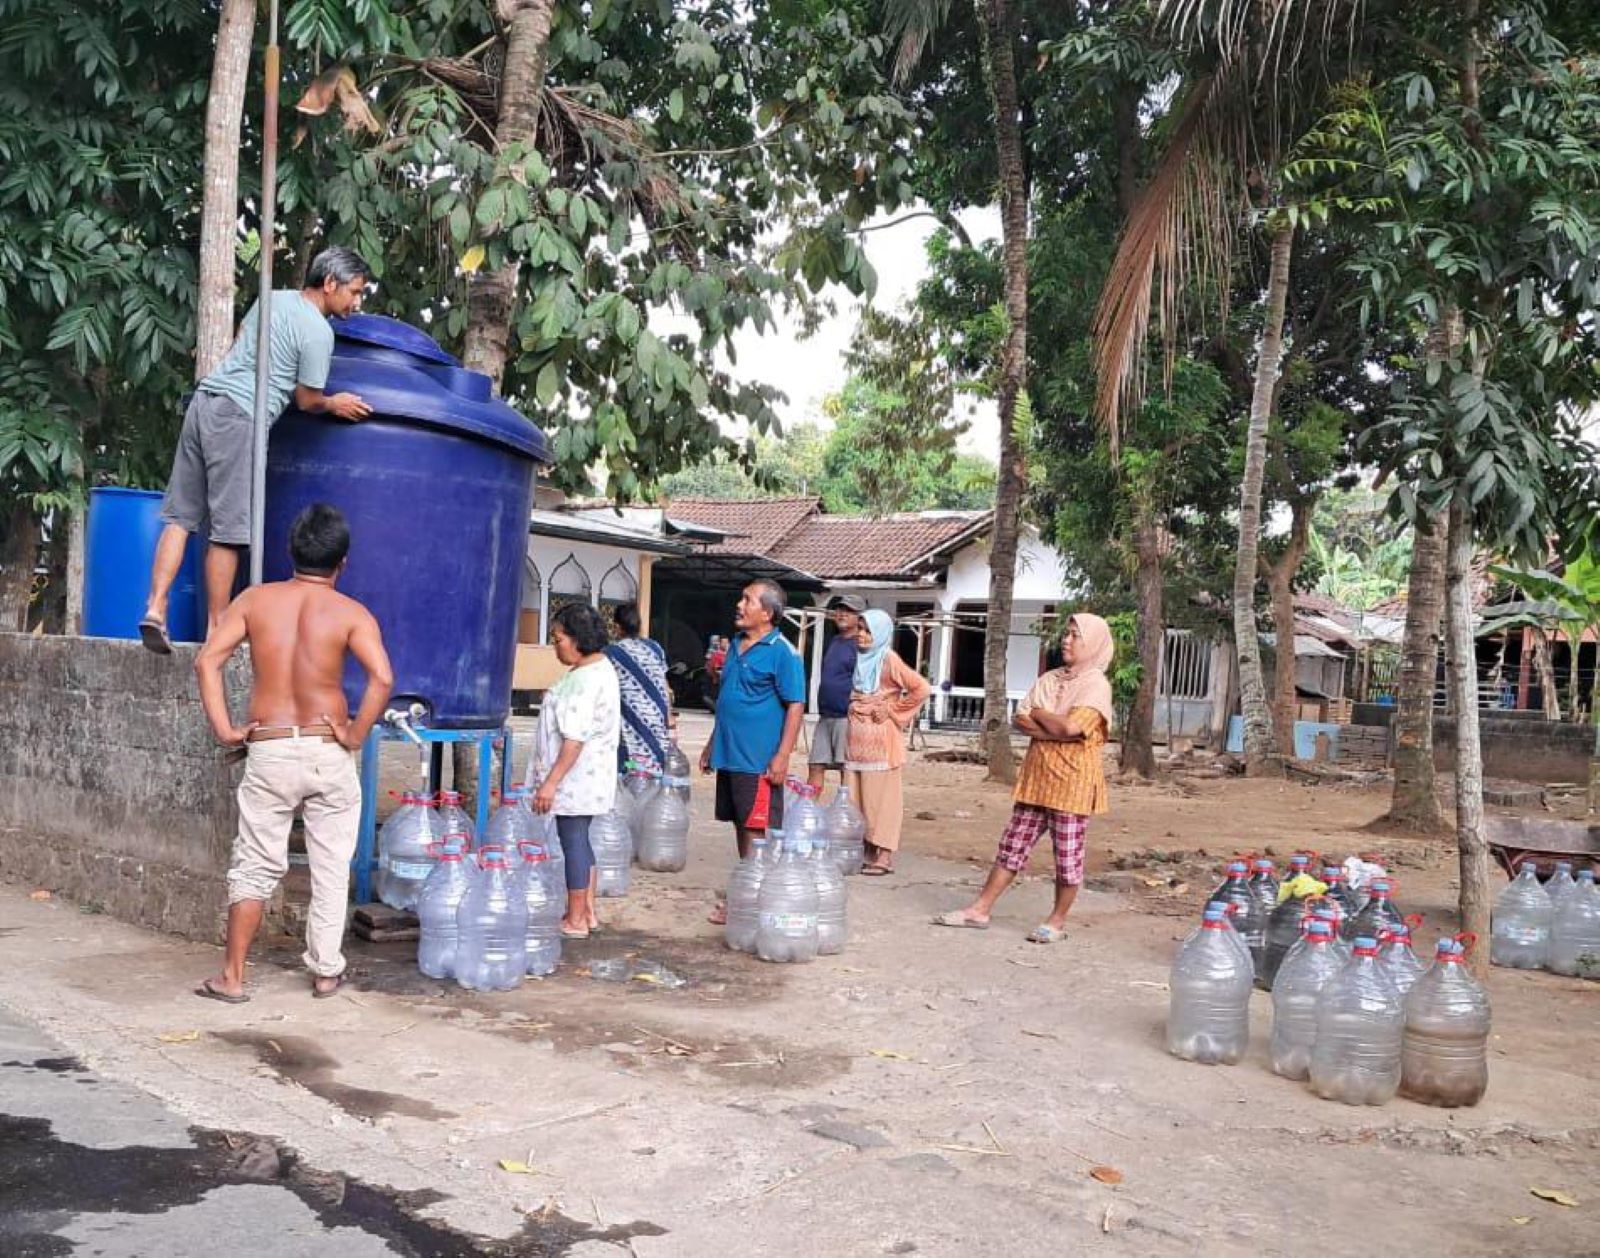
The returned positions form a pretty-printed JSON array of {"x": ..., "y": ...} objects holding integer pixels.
[{"x": 809, "y": 369}]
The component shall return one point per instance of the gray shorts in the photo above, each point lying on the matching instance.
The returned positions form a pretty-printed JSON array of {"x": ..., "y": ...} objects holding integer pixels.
[
  {"x": 209, "y": 490},
  {"x": 828, "y": 741}
]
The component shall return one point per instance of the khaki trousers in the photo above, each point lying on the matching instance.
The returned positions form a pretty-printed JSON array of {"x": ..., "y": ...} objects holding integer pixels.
[{"x": 318, "y": 778}]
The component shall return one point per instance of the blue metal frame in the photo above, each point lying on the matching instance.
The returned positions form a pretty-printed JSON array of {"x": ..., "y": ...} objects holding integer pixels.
[{"x": 434, "y": 740}]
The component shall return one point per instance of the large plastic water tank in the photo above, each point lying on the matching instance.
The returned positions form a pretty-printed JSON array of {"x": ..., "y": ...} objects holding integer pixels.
[
  {"x": 118, "y": 544},
  {"x": 437, "y": 485}
]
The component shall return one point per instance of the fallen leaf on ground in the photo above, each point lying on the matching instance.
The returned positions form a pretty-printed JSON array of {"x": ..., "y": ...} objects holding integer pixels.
[
  {"x": 40, "y": 894},
  {"x": 1522, "y": 1220},
  {"x": 891, "y": 1054},
  {"x": 1043, "y": 1035},
  {"x": 1105, "y": 1174},
  {"x": 517, "y": 1168},
  {"x": 1555, "y": 1195},
  {"x": 178, "y": 1037}
]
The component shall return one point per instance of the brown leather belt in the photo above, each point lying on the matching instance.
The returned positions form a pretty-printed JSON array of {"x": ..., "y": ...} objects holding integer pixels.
[{"x": 267, "y": 733}]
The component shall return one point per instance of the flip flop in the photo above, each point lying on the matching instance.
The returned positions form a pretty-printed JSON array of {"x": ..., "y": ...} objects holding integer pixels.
[
  {"x": 324, "y": 993},
  {"x": 206, "y": 991},
  {"x": 153, "y": 633},
  {"x": 959, "y": 920},
  {"x": 1043, "y": 934},
  {"x": 869, "y": 870},
  {"x": 574, "y": 934}
]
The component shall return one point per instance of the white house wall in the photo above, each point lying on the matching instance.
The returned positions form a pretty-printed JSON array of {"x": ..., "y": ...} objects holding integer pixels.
[{"x": 548, "y": 553}]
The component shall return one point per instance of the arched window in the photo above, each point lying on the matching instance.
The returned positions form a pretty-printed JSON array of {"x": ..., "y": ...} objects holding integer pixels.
[
  {"x": 616, "y": 588},
  {"x": 569, "y": 583},
  {"x": 531, "y": 621}
]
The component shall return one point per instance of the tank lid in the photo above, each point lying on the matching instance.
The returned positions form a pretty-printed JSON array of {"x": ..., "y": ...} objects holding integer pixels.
[
  {"x": 391, "y": 334},
  {"x": 401, "y": 372}
]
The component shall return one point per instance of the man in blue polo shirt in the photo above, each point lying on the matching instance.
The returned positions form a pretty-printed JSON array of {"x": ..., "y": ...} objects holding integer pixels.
[{"x": 760, "y": 706}]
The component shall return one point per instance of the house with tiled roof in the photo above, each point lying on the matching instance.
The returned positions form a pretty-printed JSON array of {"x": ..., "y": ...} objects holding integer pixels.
[{"x": 927, "y": 569}]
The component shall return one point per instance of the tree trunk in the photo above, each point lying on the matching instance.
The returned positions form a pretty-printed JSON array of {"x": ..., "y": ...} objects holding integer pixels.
[
  {"x": 75, "y": 528},
  {"x": 18, "y": 554},
  {"x": 1415, "y": 802},
  {"x": 1574, "y": 694},
  {"x": 1549, "y": 694},
  {"x": 1280, "y": 584},
  {"x": 219, "y": 210},
  {"x": 491, "y": 295},
  {"x": 1463, "y": 673},
  {"x": 1252, "y": 685},
  {"x": 1138, "y": 749},
  {"x": 997, "y": 28}
]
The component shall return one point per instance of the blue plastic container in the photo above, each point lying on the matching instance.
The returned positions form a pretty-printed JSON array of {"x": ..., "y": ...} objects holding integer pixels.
[
  {"x": 118, "y": 546},
  {"x": 437, "y": 486}
]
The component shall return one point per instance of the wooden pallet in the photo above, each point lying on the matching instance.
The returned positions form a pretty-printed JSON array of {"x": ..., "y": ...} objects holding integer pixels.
[{"x": 378, "y": 923}]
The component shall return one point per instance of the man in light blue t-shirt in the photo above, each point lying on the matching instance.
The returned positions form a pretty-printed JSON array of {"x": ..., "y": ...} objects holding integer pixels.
[{"x": 210, "y": 484}]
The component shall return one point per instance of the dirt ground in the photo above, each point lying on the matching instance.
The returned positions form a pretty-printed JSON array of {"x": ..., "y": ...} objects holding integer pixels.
[{"x": 930, "y": 1091}]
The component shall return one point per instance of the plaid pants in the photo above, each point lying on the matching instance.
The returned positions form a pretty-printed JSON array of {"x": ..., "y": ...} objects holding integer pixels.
[{"x": 1027, "y": 826}]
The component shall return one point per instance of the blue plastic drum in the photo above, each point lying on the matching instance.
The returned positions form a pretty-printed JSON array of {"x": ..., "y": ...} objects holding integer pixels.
[
  {"x": 437, "y": 486},
  {"x": 119, "y": 544}
]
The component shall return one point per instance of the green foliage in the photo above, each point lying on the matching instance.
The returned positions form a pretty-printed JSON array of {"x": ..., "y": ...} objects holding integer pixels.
[
  {"x": 100, "y": 140},
  {"x": 1491, "y": 212},
  {"x": 697, "y": 171}
]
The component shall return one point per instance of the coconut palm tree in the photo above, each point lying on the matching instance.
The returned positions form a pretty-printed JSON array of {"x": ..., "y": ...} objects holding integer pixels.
[
  {"x": 912, "y": 23},
  {"x": 1254, "y": 67}
]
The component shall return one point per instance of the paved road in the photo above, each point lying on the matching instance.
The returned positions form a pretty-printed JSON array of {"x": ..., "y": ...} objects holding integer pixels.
[{"x": 90, "y": 1166}]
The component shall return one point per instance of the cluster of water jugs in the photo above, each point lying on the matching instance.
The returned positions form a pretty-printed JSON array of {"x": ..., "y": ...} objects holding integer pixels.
[
  {"x": 786, "y": 897},
  {"x": 1554, "y": 925},
  {"x": 1354, "y": 1012},
  {"x": 407, "y": 843},
  {"x": 491, "y": 916}
]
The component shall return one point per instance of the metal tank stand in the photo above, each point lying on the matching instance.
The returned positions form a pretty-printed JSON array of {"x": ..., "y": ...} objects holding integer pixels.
[{"x": 399, "y": 726}]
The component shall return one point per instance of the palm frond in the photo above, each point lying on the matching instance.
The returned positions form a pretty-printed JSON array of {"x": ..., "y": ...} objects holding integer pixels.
[
  {"x": 910, "y": 24},
  {"x": 1181, "y": 231}
]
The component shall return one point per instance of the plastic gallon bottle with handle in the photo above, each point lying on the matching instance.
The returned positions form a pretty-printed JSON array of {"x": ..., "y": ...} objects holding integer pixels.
[
  {"x": 744, "y": 893},
  {"x": 661, "y": 832},
  {"x": 788, "y": 909},
  {"x": 1519, "y": 934},
  {"x": 1575, "y": 931},
  {"x": 1444, "y": 1053},
  {"x": 437, "y": 905},
  {"x": 1294, "y": 1000},
  {"x": 847, "y": 831},
  {"x": 1360, "y": 1018},
  {"x": 1208, "y": 1014},
  {"x": 492, "y": 922}
]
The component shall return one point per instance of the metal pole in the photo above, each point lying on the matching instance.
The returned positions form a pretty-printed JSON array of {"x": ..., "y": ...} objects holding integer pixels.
[{"x": 269, "y": 205}]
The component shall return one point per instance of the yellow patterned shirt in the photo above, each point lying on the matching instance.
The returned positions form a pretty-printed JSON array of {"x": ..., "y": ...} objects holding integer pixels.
[{"x": 1067, "y": 777}]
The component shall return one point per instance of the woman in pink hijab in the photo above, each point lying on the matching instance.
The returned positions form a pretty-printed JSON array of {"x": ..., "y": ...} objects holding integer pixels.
[{"x": 1067, "y": 717}]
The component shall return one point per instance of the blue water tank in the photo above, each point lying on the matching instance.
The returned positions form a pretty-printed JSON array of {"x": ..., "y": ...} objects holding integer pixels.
[
  {"x": 437, "y": 486},
  {"x": 119, "y": 543}
]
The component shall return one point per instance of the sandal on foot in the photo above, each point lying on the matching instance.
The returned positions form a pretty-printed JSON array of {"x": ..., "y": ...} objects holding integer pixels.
[
  {"x": 960, "y": 920},
  {"x": 871, "y": 870},
  {"x": 568, "y": 933},
  {"x": 153, "y": 633},
  {"x": 1043, "y": 934},
  {"x": 718, "y": 915},
  {"x": 323, "y": 993},
  {"x": 208, "y": 990}
]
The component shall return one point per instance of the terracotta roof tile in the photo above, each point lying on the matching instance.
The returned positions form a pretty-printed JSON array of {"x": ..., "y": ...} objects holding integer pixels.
[
  {"x": 760, "y": 524},
  {"x": 838, "y": 547},
  {"x": 794, "y": 531}
]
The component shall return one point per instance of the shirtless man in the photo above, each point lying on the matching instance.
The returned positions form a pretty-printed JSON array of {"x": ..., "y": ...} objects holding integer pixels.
[{"x": 299, "y": 738}]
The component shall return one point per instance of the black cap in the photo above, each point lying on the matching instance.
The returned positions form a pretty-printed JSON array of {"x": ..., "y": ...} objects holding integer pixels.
[{"x": 847, "y": 603}]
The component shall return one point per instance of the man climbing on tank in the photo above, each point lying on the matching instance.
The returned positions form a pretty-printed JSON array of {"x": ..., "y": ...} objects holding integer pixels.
[
  {"x": 209, "y": 488},
  {"x": 299, "y": 737}
]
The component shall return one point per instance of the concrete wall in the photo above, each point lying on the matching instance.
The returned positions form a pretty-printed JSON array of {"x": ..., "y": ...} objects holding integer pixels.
[
  {"x": 113, "y": 792},
  {"x": 1522, "y": 750}
]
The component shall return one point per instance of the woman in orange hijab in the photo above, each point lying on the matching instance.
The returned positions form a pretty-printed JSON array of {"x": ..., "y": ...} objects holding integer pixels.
[{"x": 1067, "y": 717}]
